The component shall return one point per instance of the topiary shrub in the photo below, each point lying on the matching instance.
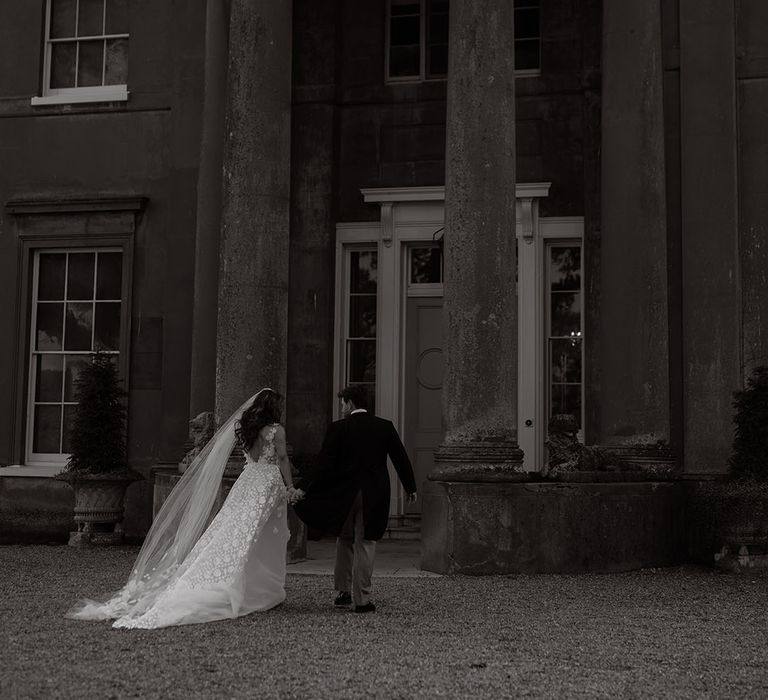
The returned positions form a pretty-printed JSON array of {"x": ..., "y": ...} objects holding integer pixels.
[
  {"x": 98, "y": 431},
  {"x": 749, "y": 460}
]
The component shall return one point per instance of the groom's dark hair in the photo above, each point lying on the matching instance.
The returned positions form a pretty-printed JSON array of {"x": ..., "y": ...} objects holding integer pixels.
[{"x": 356, "y": 394}]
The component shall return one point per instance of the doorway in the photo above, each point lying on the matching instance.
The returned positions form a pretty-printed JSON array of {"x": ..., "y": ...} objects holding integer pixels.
[{"x": 403, "y": 307}]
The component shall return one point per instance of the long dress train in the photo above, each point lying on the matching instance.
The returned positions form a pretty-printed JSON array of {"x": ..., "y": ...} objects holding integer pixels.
[{"x": 238, "y": 565}]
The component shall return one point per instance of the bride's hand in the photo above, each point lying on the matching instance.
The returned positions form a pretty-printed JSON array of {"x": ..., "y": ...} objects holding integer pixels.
[{"x": 295, "y": 495}]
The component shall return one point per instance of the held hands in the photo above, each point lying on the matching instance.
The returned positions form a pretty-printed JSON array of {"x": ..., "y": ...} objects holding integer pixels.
[
  {"x": 412, "y": 497},
  {"x": 295, "y": 495}
]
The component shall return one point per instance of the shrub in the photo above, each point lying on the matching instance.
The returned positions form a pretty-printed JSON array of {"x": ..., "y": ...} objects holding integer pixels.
[
  {"x": 750, "y": 445},
  {"x": 98, "y": 430}
]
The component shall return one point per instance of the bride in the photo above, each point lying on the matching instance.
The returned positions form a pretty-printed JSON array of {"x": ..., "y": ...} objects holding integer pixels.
[{"x": 187, "y": 572}]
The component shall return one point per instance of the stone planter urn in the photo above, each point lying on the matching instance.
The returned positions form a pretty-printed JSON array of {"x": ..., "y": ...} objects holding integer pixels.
[
  {"x": 742, "y": 526},
  {"x": 99, "y": 507}
]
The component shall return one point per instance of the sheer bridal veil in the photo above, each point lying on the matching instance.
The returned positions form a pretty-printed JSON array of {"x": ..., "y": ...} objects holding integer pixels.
[{"x": 175, "y": 530}]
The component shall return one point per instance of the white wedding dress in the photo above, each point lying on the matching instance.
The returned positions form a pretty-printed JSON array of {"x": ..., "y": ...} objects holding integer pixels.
[{"x": 236, "y": 567}]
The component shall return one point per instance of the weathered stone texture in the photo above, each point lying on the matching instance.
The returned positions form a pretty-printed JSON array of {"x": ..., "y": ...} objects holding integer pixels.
[
  {"x": 551, "y": 528},
  {"x": 480, "y": 312},
  {"x": 710, "y": 266},
  {"x": 634, "y": 391},
  {"x": 752, "y": 72},
  {"x": 253, "y": 273}
]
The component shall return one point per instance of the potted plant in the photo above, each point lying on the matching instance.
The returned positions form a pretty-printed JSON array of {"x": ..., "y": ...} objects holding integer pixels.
[
  {"x": 97, "y": 467},
  {"x": 737, "y": 509}
]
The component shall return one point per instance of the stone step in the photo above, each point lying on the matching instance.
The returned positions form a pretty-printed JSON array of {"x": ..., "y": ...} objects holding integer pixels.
[{"x": 403, "y": 532}]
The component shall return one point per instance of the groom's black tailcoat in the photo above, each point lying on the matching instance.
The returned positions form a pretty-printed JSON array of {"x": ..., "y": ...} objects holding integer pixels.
[{"x": 354, "y": 458}]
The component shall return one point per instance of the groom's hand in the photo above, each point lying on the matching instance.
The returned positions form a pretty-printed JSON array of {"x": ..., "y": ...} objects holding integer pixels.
[{"x": 412, "y": 497}]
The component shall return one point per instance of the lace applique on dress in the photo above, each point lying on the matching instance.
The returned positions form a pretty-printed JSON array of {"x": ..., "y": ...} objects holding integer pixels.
[{"x": 238, "y": 564}]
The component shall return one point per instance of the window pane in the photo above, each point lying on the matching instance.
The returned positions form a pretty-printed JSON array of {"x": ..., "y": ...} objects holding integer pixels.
[
  {"x": 527, "y": 24},
  {"x": 79, "y": 325},
  {"x": 50, "y": 285},
  {"x": 48, "y": 381},
  {"x": 404, "y": 61},
  {"x": 437, "y": 57},
  {"x": 438, "y": 27},
  {"x": 117, "y": 62},
  {"x": 565, "y": 316},
  {"x": 50, "y": 321},
  {"x": 405, "y": 31},
  {"x": 426, "y": 265},
  {"x": 63, "y": 57},
  {"x": 72, "y": 367},
  {"x": 363, "y": 271},
  {"x": 107, "y": 332},
  {"x": 91, "y": 63},
  {"x": 361, "y": 361},
  {"x": 80, "y": 279},
  {"x": 69, "y": 419},
  {"x": 117, "y": 16},
  {"x": 405, "y": 7},
  {"x": 90, "y": 18},
  {"x": 109, "y": 276},
  {"x": 362, "y": 316},
  {"x": 47, "y": 427},
  {"x": 527, "y": 54},
  {"x": 565, "y": 360},
  {"x": 565, "y": 268},
  {"x": 62, "y": 18},
  {"x": 566, "y": 398}
]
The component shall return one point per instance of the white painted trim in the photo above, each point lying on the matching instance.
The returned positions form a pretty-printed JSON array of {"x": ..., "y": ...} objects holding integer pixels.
[
  {"x": 406, "y": 227},
  {"x": 437, "y": 193},
  {"x": 403, "y": 194},
  {"x": 44, "y": 459},
  {"x": 75, "y": 95},
  {"x": 16, "y": 470},
  {"x": 102, "y": 93},
  {"x": 362, "y": 227}
]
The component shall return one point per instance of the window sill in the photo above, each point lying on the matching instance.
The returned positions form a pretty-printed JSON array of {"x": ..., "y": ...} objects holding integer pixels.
[
  {"x": 113, "y": 93},
  {"x": 411, "y": 79},
  {"x": 46, "y": 471}
]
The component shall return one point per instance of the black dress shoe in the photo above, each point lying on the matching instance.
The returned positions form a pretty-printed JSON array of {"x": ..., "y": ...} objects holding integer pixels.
[
  {"x": 343, "y": 598},
  {"x": 368, "y": 607}
]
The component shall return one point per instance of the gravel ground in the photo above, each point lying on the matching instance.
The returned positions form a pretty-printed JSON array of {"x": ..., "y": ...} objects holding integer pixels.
[{"x": 683, "y": 633}]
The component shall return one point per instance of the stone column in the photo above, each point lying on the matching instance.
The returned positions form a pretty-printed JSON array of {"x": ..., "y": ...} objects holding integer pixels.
[
  {"x": 316, "y": 37},
  {"x": 203, "y": 379},
  {"x": 711, "y": 240},
  {"x": 465, "y": 520},
  {"x": 252, "y": 329},
  {"x": 634, "y": 337},
  {"x": 480, "y": 303}
]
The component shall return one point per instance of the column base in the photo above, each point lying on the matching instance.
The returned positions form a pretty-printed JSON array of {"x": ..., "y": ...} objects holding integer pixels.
[
  {"x": 655, "y": 459},
  {"x": 479, "y": 461}
]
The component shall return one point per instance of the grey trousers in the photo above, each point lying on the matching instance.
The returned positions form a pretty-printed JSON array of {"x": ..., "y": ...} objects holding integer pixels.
[{"x": 354, "y": 556}]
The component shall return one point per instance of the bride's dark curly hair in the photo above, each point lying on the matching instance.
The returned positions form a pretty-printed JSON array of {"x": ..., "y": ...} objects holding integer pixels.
[{"x": 267, "y": 408}]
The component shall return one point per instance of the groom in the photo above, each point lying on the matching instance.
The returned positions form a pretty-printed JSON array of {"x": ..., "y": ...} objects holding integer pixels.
[{"x": 349, "y": 495}]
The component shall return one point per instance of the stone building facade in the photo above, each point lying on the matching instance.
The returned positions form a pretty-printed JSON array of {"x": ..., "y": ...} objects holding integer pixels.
[{"x": 488, "y": 212}]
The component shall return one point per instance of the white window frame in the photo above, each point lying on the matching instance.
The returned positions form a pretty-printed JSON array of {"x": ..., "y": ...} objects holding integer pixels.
[
  {"x": 341, "y": 336},
  {"x": 422, "y": 77},
  {"x": 530, "y": 72},
  {"x": 555, "y": 242},
  {"x": 94, "y": 93},
  {"x": 59, "y": 459}
]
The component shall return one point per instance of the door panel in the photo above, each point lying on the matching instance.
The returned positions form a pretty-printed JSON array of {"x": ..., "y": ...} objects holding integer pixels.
[{"x": 423, "y": 427}]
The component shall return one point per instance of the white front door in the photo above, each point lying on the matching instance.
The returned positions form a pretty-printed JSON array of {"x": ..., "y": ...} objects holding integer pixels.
[
  {"x": 389, "y": 297},
  {"x": 423, "y": 360}
]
